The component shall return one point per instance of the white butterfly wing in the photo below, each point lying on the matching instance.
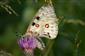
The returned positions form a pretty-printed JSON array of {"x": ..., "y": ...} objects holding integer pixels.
[
  {"x": 50, "y": 22},
  {"x": 50, "y": 31},
  {"x": 45, "y": 23}
]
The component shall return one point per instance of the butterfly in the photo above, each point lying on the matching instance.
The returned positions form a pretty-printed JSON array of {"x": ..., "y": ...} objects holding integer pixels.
[{"x": 44, "y": 24}]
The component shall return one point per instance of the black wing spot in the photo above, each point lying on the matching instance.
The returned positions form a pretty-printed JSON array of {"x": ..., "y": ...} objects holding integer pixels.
[
  {"x": 37, "y": 17},
  {"x": 33, "y": 23},
  {"x": 49, "y": 35}
]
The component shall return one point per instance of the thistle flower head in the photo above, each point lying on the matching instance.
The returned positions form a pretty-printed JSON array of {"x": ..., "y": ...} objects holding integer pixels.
[{"x": 28, "y": 42}]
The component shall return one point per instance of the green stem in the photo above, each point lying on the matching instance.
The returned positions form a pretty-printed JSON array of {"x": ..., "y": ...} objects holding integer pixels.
[{"x": 49, "y": 47}]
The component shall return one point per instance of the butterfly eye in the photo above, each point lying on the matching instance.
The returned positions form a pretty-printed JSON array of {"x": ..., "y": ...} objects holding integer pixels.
[
  {"x": 47, "y": 25},
  {"x": 37, "y": 25},
  {"x": 37, "y": 17}
]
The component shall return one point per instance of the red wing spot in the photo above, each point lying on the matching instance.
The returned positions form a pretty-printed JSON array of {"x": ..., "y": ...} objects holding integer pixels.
[
  {"x": 47, "y": 25},
  {"x": 37, "y": 25}
]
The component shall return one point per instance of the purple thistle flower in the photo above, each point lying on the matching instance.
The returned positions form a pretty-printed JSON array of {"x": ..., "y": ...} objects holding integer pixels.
[{"x": 28, "y": 42}]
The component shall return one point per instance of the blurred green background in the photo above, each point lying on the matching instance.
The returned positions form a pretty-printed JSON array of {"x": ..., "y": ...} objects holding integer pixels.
[{"x": 15, "y": 16}]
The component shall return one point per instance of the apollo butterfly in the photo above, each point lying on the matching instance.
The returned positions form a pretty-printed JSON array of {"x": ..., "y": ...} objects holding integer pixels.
[{"x": 44, "y": 24}]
